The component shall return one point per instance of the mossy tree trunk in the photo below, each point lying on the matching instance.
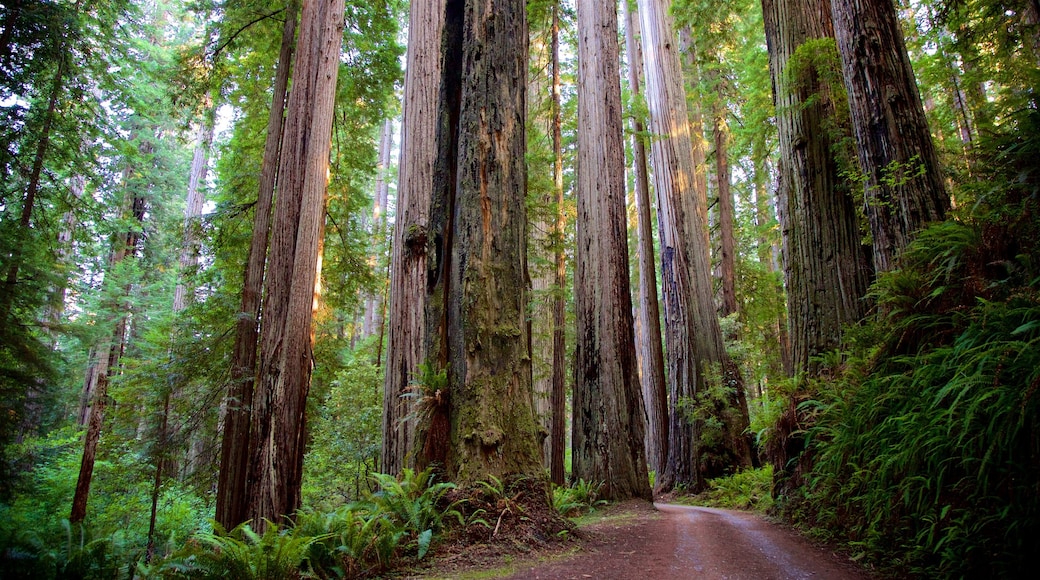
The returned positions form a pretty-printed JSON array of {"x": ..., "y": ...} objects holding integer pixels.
[
  {"x": 826, "y": 267},
  {"x": 608, "y": 405},
  {"x": 903, "y": 180},
  {"x": 482, "y": 422}
]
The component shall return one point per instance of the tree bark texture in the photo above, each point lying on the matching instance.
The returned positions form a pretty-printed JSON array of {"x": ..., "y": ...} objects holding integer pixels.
[
  {"x": 234, "y": 452},
  {"x": 651, "y": 359},
  {"x": 558, "y": 392},
  {"x": 407, "y": 314},
  {"x": 904, "y": 187},
  {"x": 826, "y": 267},
  {"x": 696, "y": 356},
  {"x": 608, "y": 405},
  {"x": 286, "y": 340},
  {"x": 483, "y": 424}
]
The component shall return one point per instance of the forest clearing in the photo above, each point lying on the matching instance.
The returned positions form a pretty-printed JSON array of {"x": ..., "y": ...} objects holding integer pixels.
[{"x": 330, "y": 289}]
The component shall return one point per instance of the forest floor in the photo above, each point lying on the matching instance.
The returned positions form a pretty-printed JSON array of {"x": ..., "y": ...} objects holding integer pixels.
[{"x": 635, "y": 540}]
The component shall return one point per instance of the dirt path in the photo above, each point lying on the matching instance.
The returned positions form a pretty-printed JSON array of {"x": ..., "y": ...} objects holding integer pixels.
[{"x": 683, "y": 542}]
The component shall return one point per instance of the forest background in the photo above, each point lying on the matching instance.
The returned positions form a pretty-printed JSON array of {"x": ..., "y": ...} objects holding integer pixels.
[{"x": 890, "y": 383}]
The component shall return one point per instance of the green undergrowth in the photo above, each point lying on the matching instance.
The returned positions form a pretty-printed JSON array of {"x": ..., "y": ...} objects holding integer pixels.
[
  {"x": 580, "y": 498},
  {"x": 925, "y": 447},
  {"x": 750, "y": 490}
]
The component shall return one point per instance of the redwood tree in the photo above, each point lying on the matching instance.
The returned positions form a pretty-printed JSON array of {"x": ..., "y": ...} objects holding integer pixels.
[
  {"x": 827, "y": 269},
  {"x": 608, "y": 406},
  {"x": 651, "y": 359},
  {"x": 283, "y": 378},
  {"x": 234, "y": 454},
  {"x": 903, "y": 180},
  {"x": 407, "y": 310},
  {"x": 480, "y": 421},
  {"x": 705, "y": 387}
]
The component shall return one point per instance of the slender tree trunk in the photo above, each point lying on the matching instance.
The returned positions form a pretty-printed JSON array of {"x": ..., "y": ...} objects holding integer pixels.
[
  {"x": 904, "y": 188},
  {"x": 482, "y": 423},
  {"x": 655, "y": 391},
  {"x": 608, "y": 407},
  {"x": 558, "y": 392},
  {"x": 696, "y": 357},
  {"x": 408, "y": 262},
  {"x": 9, "y": 289},
  {"x": 196, "y": 198},
  {"x": 234, "y": 452},
  {"x": 104, "y": 370},
  {"x": 370, "y": 326},
  {"x": 286, "y": 340},
  {"x": 691, "y": 76},
  {"x": 727, "y": 217}
]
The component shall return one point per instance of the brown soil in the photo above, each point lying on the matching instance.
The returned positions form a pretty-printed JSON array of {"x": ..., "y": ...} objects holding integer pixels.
[{"x": 636, "y": 540}]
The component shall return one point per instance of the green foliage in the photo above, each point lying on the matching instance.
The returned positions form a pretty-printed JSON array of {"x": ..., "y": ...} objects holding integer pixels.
[
  {"x": 750, "y": 489},
  {"x": 582, "y": 497},
  {"x": 924, "y": 449},
  {"x": 241, "y": 554},
  {"x": 346, "y": 434}
]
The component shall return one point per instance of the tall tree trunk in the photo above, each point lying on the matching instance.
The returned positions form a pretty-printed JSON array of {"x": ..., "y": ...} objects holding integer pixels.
[
  {"x": 277, "y": 430},
  {"x": 9, "y": 289},
  {"x": 904, "y": 187},
  {"x": 655, "y": 391},
  {"x": 826, "y": 268},
  {"x": 727, "y": 217},
  {"x": 558, "y": 391},
  {"x": 373, "y": 302},
  {"x": 691, "y": 76},
  {"x": 482, "y": 423},
  {"x": 608, "y": 406},
  {"x": 234, "y": 451},
  {"x": 196, "y": 198},
  {"x": 407, "y": 314},
  {"x": 695, "y": 354},
  {"x": 105, "y": 368}
]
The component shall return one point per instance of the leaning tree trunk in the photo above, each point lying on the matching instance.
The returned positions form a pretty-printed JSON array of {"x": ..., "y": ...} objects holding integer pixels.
[
  {"x": 651, "y": 360},
  {"x": 481, "y": 423},
  {"x": 407, "y": 314},
  {"x": 696, "y": 356},
  {"x": 608, "y": 405},
  {"x": 234, "y": 452},
  {"x": 903, "y": 189},
  {"x": 105, "y": 368},
  {"x": 286, "y": 339},
  {"x": 827, "y": 269}
]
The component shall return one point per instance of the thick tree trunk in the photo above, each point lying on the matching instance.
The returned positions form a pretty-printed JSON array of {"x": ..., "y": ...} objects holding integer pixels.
[
  {"x": 695, "y": 354},
  {"x": 407, "y": 314},
  {"x": 904, "y": 188},
  {"x": 234, "y": 452},
  {"x": 608, "y": 405},
  {"x": 826, "y": 267},
  {"x": 651, "y": 359},
  {"x": 482, "y": 424},
  {"x": 277, "y": 433}
]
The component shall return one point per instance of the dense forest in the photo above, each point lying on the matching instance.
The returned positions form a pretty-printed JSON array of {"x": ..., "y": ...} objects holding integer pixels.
[{"x": 303, "y": 287}]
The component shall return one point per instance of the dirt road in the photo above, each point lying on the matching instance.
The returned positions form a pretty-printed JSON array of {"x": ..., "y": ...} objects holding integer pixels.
[{"x": 683, "y": 542}]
